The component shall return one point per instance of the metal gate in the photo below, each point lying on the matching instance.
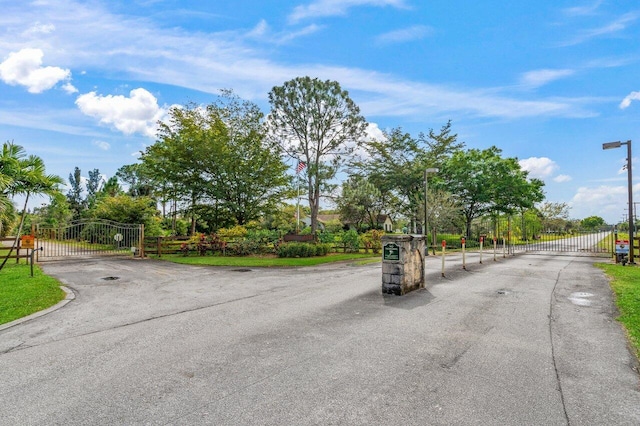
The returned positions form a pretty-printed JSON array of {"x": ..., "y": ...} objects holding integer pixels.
[
  {"x": 513, "y": 235},
  {"x": 89, "y": 238},
  {"x": 598, "y": 243}
]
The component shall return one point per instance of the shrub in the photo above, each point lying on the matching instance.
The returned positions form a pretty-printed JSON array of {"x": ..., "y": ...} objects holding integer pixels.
[
  {"x": 294, "y": 249},
  {"x": 351, "y": 241},
  {"x": 372, "y": 239},
  {"x": 326, "y": 237},
  {"x": 231, "y": 233}
]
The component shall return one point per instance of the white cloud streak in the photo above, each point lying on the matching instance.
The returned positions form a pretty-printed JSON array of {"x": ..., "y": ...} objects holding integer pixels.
[
  {"x": 583, "y": 10},
  {"x": 324, "y": 8},
  {"x": 416, "y": 32},
  {"x": 541, "y": 77},
  {"x": 613, "y": 27},
  {"x": 562, "y": 178},
  {"x": 105, "y": 146}
]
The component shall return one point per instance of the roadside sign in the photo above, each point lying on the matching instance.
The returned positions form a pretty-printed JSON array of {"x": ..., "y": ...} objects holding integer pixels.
[
  {"x": 27, "y": 242},
  {"x": 391, "y": 251},
  {"x": 622, "y": 246}
]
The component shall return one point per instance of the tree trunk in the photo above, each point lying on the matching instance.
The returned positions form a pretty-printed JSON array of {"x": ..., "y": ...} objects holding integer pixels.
[{"x": 15, "y": 242}]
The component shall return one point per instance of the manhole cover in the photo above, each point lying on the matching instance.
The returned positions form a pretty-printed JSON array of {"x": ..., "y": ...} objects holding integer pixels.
[
  {"x": 241, "y": 270},
  {"x": 111, "y": 278}
]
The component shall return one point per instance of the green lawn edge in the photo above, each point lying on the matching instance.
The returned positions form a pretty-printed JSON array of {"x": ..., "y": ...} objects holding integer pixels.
[
  {"x": 625, "y": 283},
  {"x": 270, "y": 261},
  {"x": 22, "y": 295}
]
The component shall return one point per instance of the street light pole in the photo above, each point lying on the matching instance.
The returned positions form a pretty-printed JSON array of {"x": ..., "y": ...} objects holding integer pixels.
[
  {"x": 425, "y": 229},
  {"x": 618, "y": 144}
]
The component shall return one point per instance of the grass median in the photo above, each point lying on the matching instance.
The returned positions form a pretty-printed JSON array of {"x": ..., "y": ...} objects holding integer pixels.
[
  {"x": 22, "y": 295},
  {"x": 625, "y": 282},
  {"x": 271, "y": 261}
]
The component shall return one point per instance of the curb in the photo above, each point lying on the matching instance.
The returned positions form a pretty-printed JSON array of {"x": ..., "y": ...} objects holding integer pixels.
[{"x": 70, "y": 295}]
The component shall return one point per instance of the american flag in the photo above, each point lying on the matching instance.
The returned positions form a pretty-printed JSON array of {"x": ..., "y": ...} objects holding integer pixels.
[{"x": 301, "y": 166}]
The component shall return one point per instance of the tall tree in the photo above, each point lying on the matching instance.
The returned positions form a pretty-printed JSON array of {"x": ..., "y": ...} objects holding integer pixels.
[
  {"x": 137, "y": 178},
  {"x": 397, "y": 163},
  {"x": 74, "y": 195},
  {"x": 482, "y": 181},
  {"x": 217, "y": 160},
  {"x": 318, "y": 123},
  {"x": 247, "y": 176},
  {"x": 360, "y": 202},
  {"x": 93, "y": 185}
]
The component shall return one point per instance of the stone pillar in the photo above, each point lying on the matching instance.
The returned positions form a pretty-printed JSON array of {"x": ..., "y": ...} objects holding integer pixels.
[{"x": 402, "y": 263}]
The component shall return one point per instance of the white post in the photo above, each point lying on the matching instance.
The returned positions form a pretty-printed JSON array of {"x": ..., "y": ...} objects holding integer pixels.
[
  {"x": 464, "y": 253},
  {"x": 444, "y": 245},
  {"x": 495, "y": 248}
]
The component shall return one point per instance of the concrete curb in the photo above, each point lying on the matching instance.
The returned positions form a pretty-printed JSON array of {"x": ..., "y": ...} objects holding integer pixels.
[{"x": 70, "y": 295}]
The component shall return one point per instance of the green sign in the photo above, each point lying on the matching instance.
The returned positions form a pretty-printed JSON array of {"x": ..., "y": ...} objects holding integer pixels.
[{"x": 391, "y": 251}]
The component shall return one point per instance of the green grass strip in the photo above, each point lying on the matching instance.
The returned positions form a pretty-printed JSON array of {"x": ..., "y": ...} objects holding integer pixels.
[
  {"x": 22, "y": 295},
  {"x": 625, "y": 282},
  {"x": 270, "y": 261}
]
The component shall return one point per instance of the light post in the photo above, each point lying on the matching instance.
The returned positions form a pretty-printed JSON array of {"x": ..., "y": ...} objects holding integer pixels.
[
  {"x": 425, "y": 229},
  {"x": 618, "y": 144}
]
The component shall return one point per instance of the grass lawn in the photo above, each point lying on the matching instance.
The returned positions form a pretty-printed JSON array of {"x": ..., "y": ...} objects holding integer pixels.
[
  {"x": 625, "y": 282},
  {"x": 22, "y": 295},
  {"x": 266, "y": 261}
]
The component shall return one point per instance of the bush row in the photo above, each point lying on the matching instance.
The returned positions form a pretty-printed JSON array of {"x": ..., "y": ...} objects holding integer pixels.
[{"x": 303, "y": 249}]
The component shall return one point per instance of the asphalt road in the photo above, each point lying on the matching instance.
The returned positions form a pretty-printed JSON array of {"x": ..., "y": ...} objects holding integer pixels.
[{"x": 528, "y": 340}]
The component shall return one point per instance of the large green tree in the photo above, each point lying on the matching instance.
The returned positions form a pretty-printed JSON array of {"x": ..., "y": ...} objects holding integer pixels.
[
  {"x": 360, "y": 202},
  {"x": 482, "y": 182},
  {"x": 217, "y": 161},
  {"x": 397, "y": 163},
  {"x": 316, "y": 122}
]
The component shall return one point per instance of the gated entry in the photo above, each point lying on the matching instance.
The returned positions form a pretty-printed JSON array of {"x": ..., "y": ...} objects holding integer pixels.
[
  {"x": 89, "y": 237},
  {"x": 599, "y": 243}
]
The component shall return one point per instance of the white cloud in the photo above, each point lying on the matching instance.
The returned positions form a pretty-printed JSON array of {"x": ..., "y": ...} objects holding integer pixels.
[
  {"x": 613, "y": 27},
  {"x": 39, "y": 28},
  {"x": 25, "y": 68},
  {"x": 415, "y": 32},
  {"x": 69, "y": 88},
  {"x": 626, "y": 102},
  {"x": 562, "y": 178},
  {"x": 139, "y": 50},
  {"x": 583, "y": 10},
  {"x": 322, "y": 8},
  {"x": 605, "y": 201},
  {"x": 373, "y": 132},
  {"x": 262, "y": 32},
  {"x": 105, "y": 146},
  {"x": 541, "y": 77},
  {"x": 538, "y": 167},
  {"x": 138, "y": 113}
]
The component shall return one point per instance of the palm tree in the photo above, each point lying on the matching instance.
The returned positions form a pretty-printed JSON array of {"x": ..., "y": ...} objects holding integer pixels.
[
  {"x": 24, "y": 176},
  {"x": 9, "y": 160}
]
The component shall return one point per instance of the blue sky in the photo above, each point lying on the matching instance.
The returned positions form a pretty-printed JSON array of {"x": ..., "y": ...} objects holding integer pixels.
[{"x": 82, "y": 83}]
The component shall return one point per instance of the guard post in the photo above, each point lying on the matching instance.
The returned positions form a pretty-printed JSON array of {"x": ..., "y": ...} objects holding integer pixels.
[{"x": 402, "y": 263}]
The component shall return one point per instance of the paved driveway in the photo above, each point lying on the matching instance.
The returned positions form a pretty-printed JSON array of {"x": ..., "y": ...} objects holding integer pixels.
[{"x": 525, "y": 340}]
